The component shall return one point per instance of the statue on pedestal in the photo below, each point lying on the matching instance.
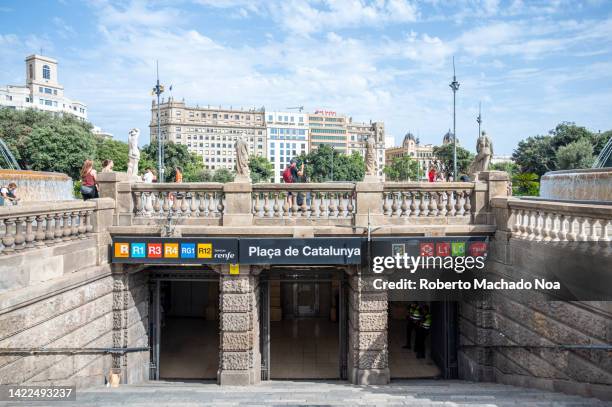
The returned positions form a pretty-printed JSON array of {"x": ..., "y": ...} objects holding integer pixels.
[
  {"x": 370, "y": 157},
  {"x": 133, "y": 153},
  {"x": 242, "y": 158},
  {"x": 484, "y": 150}
]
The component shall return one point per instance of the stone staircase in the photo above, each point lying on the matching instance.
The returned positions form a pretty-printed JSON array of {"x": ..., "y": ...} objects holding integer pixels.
[{"x": 424, "y": 393}]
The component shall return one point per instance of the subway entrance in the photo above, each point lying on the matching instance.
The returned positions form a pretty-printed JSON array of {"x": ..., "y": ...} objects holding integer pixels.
[
  {"x": 184, "y": 325},
  {"x": 303, "y": 324}
]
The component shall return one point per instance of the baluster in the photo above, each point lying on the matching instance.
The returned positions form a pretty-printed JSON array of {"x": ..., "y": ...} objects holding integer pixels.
[
  {"x": 88, "y": 225},
  {"x": 441, "y": 205},
  {"x": 593, "y": 226},
  {"x": 29, "y": 236},
  {"x": 332, "y": 204},
  {"x": 267, "y": 208},
  {"x": 583, "y": 226},
  {"x": 350, "y": 207},
  {"x": 341, "y": 205},
  {"x": 138, "y": 207},
  {"x": 386, "y": 206},
  {"x": 156, "y": 198},
  {"x": 304, "y": 206},
  {"x": 404, "y": 206},
  {"x": 148, "y": 203},
  {"x": 467, "y": 205},
  {"x": 40, "y": 231},
  {"x": 322, "y": 206},
  {"x": 276, "y": 206},
  {"x": 211, "y": 204},
  {"x": 49, "y": 230},
  {"x": 516, "y": 224},
  {"x": 286, "y": 205},
  {"x": 75, "y": 225},
  {"x": 176, "y": 205},
  {"x": 166, "y": 203},
  {"x": 562, "y": 231},
  {"x": 413, "y": 203},
  {"x": 294, "y": 205},
  {"x": 201, "y": 204},
  {"x": 523, "y": 224},
  {"x": 255, "y": 204},
  {"x": 538, "y": 226},
  {"x": 220, "y": 206},
  {"x": 193, "y": 207},
  {"x": 67, "y": 229},
  {"x": 82, "y": 225},
  {"x": 449, "y": 203},
  {"x": 184, "y": 205},
  {"x": 546, "y": 227},
  {"x": 394, "y": 205},
  {"x": 19, "y": 234},
  {"x": 432, "y": 209},
  {"x": 554, "y": 230},
  {"x": 423, "y": 205},
  {"x": 603, "y": 236},
  {"x": 458, "y": 206},
  {"x": 8, "y": 240},
  {"x": 571, "y": 226}
]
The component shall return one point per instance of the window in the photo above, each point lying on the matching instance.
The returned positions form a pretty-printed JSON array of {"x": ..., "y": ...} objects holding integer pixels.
[
  {"x": 48, "y": 91},
  {"x": 46, "y": 72},
  {"x": 48, "y": 103},
  {"x": 55, "y": 91},
  {"x": 225, "y": 116},
  {"x": 31, "y": 71},
  {"x": 40, "y": 89}
]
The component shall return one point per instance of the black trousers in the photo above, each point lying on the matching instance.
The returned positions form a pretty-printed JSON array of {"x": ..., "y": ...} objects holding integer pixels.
[
  {"x": 409, "y": 329},
  {"x": 419, "y": 342}
]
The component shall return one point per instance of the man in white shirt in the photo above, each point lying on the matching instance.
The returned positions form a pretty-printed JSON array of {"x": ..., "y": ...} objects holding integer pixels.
[{"x": 148, "y": 176}]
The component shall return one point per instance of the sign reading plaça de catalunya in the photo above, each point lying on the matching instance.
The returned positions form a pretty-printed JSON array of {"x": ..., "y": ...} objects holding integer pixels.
[{"x": 301, "y": 251}]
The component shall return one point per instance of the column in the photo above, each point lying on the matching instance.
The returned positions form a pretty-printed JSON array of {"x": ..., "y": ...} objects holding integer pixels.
[
  {"x": 239, "y": 359},
  {"x": 368, "y": 358}
]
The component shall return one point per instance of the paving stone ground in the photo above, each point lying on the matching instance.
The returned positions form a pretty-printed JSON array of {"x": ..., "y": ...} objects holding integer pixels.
[{"x": 426, "y": 393}]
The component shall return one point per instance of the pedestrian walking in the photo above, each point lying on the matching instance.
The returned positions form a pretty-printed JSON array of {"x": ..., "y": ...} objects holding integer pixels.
[
  {"x": 89, "y": 183},
  {"x": 410, "y": 323},
  {"x": 422, "y": 331}
]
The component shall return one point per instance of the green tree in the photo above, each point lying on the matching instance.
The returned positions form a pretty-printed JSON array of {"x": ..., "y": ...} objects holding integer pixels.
[
  {"x": 578, "y": 154},
  {"x": 535, "y": 155},
  {"x": 402, "y": 169},
  {"x": 321, "y": 163},
  {"x": 510, "y": 167},
  {"x": 525, "y": 184},
  {"x": 261, "y": 169},
  {"x": 223, "y": 175},
  {"x": 59, "y": 148},
  {"x": 108, "y": 149},
  {"x": 175, "y": 155},
  {"x": 445, "y": 157}
]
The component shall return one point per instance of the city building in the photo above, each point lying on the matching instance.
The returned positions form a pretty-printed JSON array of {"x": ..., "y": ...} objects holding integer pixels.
[
  {"x": 101, "y": 133},
  {"x": 287, "y": 137},
  {"x": 422, "y": 153},
  {"x": 328, "y": 128},
  {"x": 209, "y": 131},
  {"x": 501, "y": 159},
  {"x": 42, "y": 90},
  {"x": 358, "y": 133}
]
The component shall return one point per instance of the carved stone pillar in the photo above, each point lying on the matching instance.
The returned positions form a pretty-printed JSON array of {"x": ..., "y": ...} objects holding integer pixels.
[
  {"x": 368, "y": 356},
  {"x": 239, "y": 359}
]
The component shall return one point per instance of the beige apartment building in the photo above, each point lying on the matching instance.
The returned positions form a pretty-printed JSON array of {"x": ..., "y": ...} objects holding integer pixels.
[
  {"x": 358, "y": 133},
  {"x": 209, "y": 131},
  {"x": 326, "y": 127},
  {"x": 422, "y": 153}
]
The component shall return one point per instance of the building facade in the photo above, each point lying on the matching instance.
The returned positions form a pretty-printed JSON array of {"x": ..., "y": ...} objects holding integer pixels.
[
  {"x": 210, "y": 132},
  {"x": 287, "y": 137},
  {"x": 42, "y": 90},
  {"x": 328, "y": 128},
  {"x": 422, "y": 153},
  {"x": 358, "y": 133}
]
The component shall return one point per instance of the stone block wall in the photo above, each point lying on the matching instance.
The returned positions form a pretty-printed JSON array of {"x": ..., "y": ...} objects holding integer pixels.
[
  {"x": 368, "y": 356},
  {"x": 518, "y": 337}
]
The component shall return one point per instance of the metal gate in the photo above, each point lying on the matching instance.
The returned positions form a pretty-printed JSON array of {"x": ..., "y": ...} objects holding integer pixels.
[{"x": 444, "y": 337}]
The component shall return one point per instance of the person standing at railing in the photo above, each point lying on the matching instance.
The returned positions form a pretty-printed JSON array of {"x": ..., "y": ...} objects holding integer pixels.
[
  {"x": 89, "y": 183},
  {"x": 148, "y": 176},
  {"x": 8, "y": 195},
  {"x": 432, "y": 174},
  {"x": 291, "y": 175},
  {"x": 178, "y": 174},
  {"x": 107, "y": 165}
]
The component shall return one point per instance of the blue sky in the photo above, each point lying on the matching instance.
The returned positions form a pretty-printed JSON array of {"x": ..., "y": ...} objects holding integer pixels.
[{"x": 532, "y": 64}]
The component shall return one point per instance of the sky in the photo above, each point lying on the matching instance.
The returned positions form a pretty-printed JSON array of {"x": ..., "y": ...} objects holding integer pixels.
[{"x": 531, "y": 64}]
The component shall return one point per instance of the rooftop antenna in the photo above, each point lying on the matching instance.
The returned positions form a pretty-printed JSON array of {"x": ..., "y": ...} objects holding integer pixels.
[
  {"x": 479, "y": 119},
  {"x": 455, "y": 87},
  {"x": 300, "y": 108}
]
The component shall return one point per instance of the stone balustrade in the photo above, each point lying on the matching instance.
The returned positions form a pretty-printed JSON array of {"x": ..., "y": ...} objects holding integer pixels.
[
  {"x": 44, "y": 224},
  {"x": 553, "y": 221},
  {"x": 312, "y": 200},
  {"x": 185, "y": 200},
  {"x": 427, "y": 199}
]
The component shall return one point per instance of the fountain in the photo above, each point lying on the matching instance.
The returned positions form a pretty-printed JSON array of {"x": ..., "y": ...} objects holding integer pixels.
[
  {"x": 591, "y": 184},
  {"x": 33, "y": 185}
]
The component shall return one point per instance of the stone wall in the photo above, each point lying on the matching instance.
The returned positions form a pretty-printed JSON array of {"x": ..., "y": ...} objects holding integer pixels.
[{"x": 515, "y": 337}]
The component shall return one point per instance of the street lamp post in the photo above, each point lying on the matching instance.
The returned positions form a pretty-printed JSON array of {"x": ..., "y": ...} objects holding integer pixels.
[
  {"x": 455, "y": 87},
  {"x": 158, "y": 90},
  {"x": 332, "y": 163},
  {"x": 479, "y": 119}
]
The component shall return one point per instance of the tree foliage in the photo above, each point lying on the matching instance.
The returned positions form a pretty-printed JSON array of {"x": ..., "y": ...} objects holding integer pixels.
[
  {"x": 175, "y": 155},
  {"x": 445, "y": 157},
  {"x": 577, "y": 154},
  {"x": 261, "y": 169},
  {"x": 108, "y": 149},
  {"x": 525, "y": 184},
  {"x": 327, "y": 164},
  {"x": 402, "y": 169},
  {"x": 223, "y": 175}
]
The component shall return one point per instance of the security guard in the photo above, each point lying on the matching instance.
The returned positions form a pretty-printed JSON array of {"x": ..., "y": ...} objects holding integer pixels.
[
  {"x": 412, "y": 319},
  {"x": 422, "y": 330}
]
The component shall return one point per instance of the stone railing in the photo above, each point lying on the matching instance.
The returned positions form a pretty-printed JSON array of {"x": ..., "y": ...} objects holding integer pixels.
[
  {"x": 186, "y": 200},
  {"x": 242, "y": 203},
  {"x": 35, "y": 225},
  {"x": 553, "y": 221},
  {"x": 428, "y": 199},
  {"x": 312, "y": 200}
]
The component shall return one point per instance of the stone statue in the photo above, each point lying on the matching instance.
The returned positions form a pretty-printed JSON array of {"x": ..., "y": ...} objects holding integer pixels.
[
  {"x": 370, "y": 157},
  {"x": 242, "y": 158},
  {"x": 484, "y": 149},
  {"x": 133, "y": 153}
]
